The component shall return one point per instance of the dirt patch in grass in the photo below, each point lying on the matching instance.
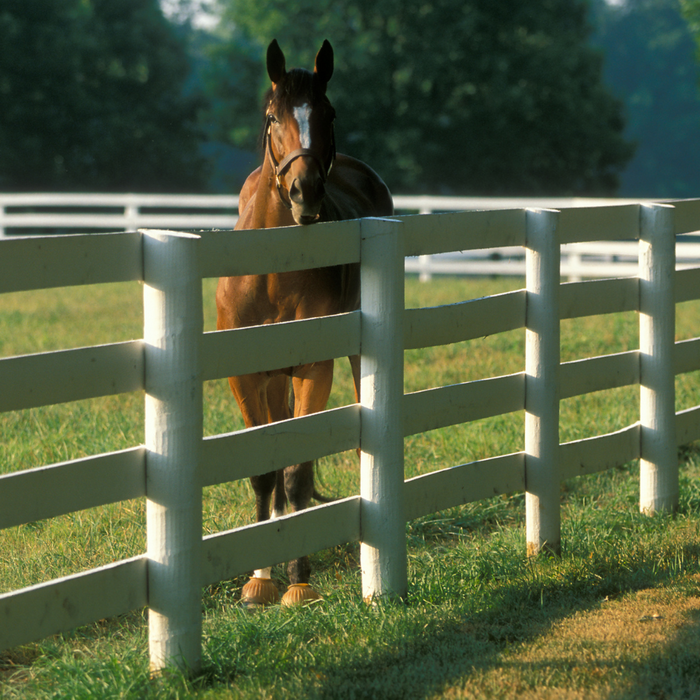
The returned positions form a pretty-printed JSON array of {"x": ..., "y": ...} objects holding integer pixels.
[{"x": 645, "y": 644}]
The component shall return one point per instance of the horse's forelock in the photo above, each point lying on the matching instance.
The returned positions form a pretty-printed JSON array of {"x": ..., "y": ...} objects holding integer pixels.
[{"x": 298, "y": 84}]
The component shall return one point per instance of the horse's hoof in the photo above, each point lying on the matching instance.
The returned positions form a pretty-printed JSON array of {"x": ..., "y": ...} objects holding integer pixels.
[
  {"x": 259, "y": 591},
  {"x": 299, "y": 594}
]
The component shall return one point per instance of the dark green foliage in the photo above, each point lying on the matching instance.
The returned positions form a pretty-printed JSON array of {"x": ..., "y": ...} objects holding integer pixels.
[
  {"x": 91, "y": 98},
  {"x": 473, "y": 97},
  {"x": 650, "y": 63}
]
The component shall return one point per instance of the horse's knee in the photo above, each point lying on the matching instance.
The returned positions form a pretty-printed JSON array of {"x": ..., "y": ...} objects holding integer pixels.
[
  {"x": 263, "y": 486},
  {"x": 279, "y": 502},
  {"x": 312, "y": 387},
  {"x": 299, "y": 485}
]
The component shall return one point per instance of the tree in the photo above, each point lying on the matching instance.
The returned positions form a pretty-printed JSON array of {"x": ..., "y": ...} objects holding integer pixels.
[
  {"x": 649, "y": 51},
  {"x": 91, "y": 97},
  {"x": 474, "y": 97}
]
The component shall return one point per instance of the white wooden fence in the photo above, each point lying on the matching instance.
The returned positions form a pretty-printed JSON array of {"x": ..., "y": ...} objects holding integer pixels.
[
  {"x": 66, "y": 213},
  {"x": 69, "y": 213},
  {"x": 173, "y": 360}
]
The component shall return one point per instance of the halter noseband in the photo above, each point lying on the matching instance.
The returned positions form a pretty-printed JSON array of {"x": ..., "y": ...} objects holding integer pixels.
[{"x": 281, "y": 166}]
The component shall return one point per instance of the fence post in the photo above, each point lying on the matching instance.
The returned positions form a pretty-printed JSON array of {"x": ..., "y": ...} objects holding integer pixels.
[
  {"x": 658, "y": 466},
  {"x": 542, "y": 357},
  {"x": 424, "y": 260},
  {"x": 131, "y": 212},
  {"x": 382, "y": 514},
  {"x": 172, "y": 331}
]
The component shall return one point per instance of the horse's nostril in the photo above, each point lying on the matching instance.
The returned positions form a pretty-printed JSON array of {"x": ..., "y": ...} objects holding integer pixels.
[
  {"x": 295, "y": 193},
  {"x": 307, "y": 191}
]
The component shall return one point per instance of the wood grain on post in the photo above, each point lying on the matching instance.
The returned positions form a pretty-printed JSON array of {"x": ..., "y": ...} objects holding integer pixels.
[
  {"x": 382, "y": 515},
  {"x": 172, "y": 331},
  {"x": 542, "y": 358},
  {"x": 658, "y": 466}
]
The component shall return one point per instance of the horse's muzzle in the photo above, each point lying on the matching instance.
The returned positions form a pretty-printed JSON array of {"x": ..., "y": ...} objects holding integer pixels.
[{"x": 306, "y": 196}]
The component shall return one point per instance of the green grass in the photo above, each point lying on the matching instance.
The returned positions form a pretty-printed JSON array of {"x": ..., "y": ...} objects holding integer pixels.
[{"x": 481, "y": 620}]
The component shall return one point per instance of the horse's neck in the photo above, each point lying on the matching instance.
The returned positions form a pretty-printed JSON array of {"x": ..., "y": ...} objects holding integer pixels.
[{"x": 262, "y": 194}]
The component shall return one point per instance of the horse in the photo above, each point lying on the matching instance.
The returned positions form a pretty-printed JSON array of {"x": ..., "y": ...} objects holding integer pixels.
[{"x": 302, "y": 180}]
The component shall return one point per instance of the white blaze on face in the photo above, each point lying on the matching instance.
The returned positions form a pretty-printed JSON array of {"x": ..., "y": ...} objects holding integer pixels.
[{"x": 302, "y": 114}]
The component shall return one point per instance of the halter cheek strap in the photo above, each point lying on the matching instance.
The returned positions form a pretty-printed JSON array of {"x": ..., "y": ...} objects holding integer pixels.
[{"x": 281, "y": 166}]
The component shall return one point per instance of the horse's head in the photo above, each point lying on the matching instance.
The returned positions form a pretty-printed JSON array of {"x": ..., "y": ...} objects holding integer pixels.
[{"x": 299, "y": 137}]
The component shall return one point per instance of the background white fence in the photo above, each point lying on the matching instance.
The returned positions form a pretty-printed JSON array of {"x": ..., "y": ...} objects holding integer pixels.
[
  {"x": 173, "y": 360},
  {"x": 68, "y": 213}
]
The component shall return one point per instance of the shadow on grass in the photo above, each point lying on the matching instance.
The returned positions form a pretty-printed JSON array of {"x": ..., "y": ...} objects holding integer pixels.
[
  {"x": 435, "y": 642},
  {"x": 423, "y": 662},
  {"x": 474, "y": 657},
  {"x": 675, "y": 673},
  {"x": 476, "y": 609}
]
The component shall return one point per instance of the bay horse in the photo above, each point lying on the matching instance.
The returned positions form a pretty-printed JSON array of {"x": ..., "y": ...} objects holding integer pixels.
[{"x": 301, "y": 181}]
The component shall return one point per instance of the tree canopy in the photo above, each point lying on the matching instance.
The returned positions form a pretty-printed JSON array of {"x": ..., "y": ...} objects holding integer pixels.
[
  {"x": 91, "y": 97},
  {"x": 649, "y": 62},
  {"x": 473, "y": 97}
]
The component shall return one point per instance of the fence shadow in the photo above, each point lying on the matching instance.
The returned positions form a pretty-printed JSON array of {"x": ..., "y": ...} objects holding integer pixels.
[{"x": 487, "y": 651}]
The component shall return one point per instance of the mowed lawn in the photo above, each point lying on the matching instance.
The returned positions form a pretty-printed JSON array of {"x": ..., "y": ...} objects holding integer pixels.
[{"x": 617, "y": 616}]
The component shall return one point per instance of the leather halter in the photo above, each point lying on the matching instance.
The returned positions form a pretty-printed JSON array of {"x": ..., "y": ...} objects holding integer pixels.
[{"x": 281, "y": 166}]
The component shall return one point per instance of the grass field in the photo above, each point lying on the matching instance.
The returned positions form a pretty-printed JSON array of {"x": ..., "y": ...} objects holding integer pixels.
[{"x": 617, "y": 616}]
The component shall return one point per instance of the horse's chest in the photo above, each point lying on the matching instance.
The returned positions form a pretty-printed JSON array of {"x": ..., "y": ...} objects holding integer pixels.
[{"x": 304, "y": 294}]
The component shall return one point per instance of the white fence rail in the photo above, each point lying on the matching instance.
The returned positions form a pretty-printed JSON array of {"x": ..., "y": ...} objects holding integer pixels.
[
  {"x": 178, "y": 562},
  {"x": 68, "y": 213},
  {"x": 128, "y": 212}
]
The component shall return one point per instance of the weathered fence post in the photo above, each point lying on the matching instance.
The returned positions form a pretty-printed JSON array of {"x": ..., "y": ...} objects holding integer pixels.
[
  {"x": 382, "y": 516},
  {"x": 658, "y": 467},
  {"x": 542, "y": 383},
  {"x": 172, "y": 331}
]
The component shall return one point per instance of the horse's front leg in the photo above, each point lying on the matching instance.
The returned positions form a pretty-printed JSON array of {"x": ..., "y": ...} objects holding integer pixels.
[
  {"x": 277, "y": 410},
  {"x": 356, "y": 375},
  {"x": 251, "y": 393},
  {"x": 312, "y": 387}
]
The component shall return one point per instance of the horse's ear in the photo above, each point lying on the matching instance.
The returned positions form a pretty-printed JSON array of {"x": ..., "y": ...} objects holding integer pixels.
[
  {"x": 324, "y": 63},
  {"x": 276, "y": 66}
]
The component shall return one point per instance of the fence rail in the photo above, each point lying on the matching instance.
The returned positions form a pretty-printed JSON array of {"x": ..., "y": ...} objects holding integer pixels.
[
  {"x": 178, "y": 561},
  {"x": 128, "y": 212},
  {"x": 69, "y": 213}
]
